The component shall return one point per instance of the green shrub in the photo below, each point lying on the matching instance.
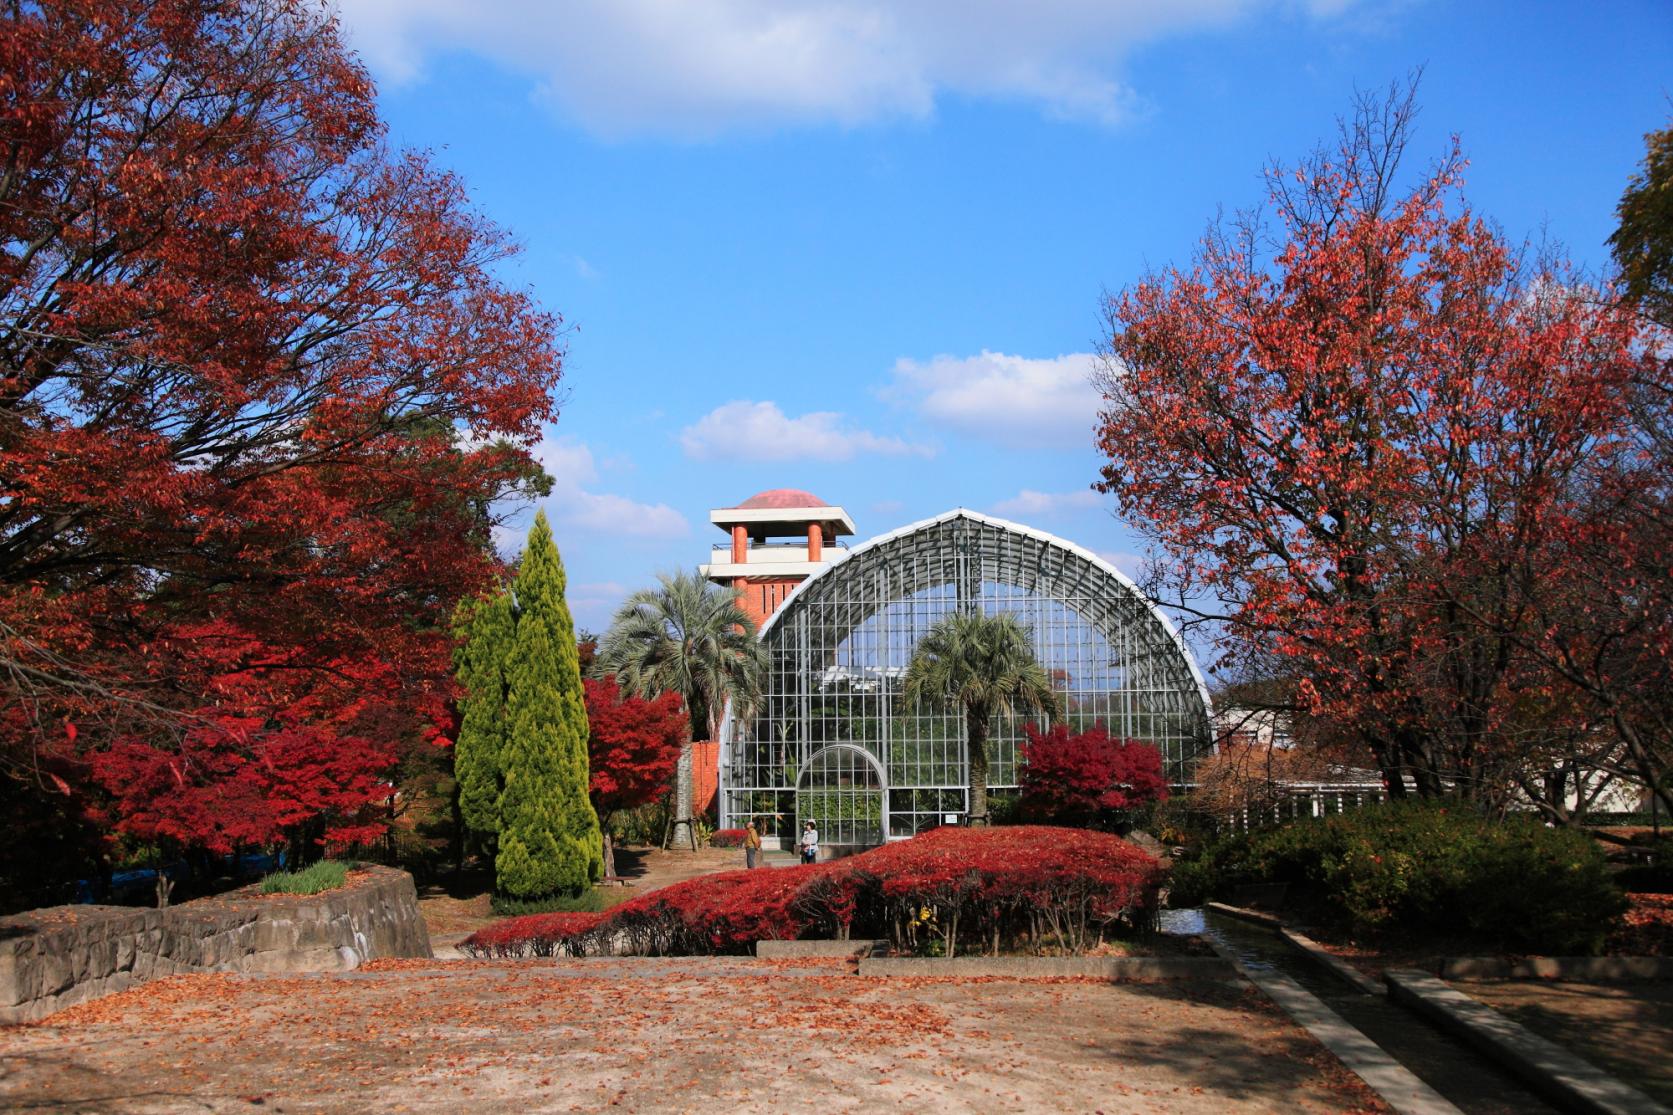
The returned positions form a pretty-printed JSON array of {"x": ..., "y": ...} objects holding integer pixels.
[
  {"x": 589, "y": 901},
  {"x": 327, "y": 874},
  {"x": 1417, "y": 868},
  {"x": 644, "y": 825}
]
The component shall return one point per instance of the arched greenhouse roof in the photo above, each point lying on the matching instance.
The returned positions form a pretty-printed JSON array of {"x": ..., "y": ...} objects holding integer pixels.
[
  {"x": 839, "y": 645},
  {"x": 877, "y": 548}
]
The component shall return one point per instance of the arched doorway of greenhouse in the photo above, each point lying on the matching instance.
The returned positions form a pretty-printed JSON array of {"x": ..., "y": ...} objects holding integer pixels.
[{"x": 841, "y": 790}]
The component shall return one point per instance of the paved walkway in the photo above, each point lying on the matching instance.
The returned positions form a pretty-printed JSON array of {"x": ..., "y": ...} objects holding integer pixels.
[{"x": 1624, "y": 1028}]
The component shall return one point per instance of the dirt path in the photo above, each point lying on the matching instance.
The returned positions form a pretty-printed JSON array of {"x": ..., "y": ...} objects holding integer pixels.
[
  {"x": 458, "y": 906},
  {"x": 667, "y": 1035}
]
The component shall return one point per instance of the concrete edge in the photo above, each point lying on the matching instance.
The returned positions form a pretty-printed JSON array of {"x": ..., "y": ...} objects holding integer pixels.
[
  {"x": 1332, "y": 963},
  {"x": 1302, "y": 943},
  {"x": 1571, "y": 1081},
  {"x": 1587, "y": 968},
  {"x": 1271, "y": 921},
  {"x": 798, "y": 950},
  {"x": 1397, "y": 1085},
  {"x": 1134, "y": 968},
  {"x": 1580, "y": 968},
  {"x": 1389, "y": 1079}
]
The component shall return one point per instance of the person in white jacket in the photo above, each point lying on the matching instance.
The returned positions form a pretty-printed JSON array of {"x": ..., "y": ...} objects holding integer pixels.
[{"x": 810, "y": 843}]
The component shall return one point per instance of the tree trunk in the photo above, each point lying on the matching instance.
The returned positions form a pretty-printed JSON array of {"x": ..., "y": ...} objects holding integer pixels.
[
  {"x": 165, "y": 885},
  {"x": 681, "y": 834},
  {"x": 458, "y": 841},
  {"x": 976, "y": 733},
  {"x": 609, "y": 855}
]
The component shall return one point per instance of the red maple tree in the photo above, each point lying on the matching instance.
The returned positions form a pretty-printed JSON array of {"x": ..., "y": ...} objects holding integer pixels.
[
  {"x": 260, "y": 392},
  {"x": 632, "y": 747},
  {"x": 1358, "y": 433},
  {"x": 236, "y": 782}
]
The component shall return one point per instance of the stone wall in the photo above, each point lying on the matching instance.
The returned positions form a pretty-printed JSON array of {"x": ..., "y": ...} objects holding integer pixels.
[{"x": 52, "y": 958}]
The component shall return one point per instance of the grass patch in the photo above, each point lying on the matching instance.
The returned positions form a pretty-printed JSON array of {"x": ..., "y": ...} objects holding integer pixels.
[
  {"x": 327, "y": 874},
  {"x": 589, "y": 901}
]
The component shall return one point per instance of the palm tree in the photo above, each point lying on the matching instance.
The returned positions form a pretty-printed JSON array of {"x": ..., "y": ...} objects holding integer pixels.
[
  {"x": 690, "y": 637},
  {"x": 984, "y": 665}
]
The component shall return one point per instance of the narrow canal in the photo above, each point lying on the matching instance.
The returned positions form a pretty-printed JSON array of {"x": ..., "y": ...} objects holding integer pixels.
[{"x": 1474, "y": 1084}]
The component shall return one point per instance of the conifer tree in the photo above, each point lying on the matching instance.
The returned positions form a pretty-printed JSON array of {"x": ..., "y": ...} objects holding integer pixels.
[
  {"x": 484, "y": 629},
  {"x": 549, "y": 839}
]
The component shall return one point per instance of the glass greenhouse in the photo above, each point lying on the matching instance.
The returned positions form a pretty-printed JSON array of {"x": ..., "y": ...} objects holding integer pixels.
[{"x": 832, "y": 741}]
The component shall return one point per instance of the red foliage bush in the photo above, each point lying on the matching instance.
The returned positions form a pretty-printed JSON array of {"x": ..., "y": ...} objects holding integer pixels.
[
  {"x": 530, "y": 935},
  {"x": 1081, "y": 779},
  {"x": 727, "y": 838},
  {"x": 1030, "y": 883},
  {"x": 1032, "y": 887}
]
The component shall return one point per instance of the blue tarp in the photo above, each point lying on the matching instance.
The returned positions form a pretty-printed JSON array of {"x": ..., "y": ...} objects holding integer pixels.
[{"x": 141, "y": 882}]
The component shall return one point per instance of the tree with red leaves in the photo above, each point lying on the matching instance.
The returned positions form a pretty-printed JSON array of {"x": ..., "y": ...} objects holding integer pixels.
[
  {"x": 1358, "y": 434},
  {"x": 634, "y": 745},
  {"x": 1086, "y": 778},
  {"x": 236, "y": 782},
  {"x": 260, "y": 393}
]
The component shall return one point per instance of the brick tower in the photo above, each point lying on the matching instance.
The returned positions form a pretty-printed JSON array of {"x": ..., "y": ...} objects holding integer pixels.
[{"x": 759, "y": 561}]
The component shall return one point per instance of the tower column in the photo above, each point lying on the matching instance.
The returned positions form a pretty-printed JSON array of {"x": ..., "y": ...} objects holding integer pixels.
[
  {"x": 815, "y": 541},
  {"x": 740, "y": 544}
]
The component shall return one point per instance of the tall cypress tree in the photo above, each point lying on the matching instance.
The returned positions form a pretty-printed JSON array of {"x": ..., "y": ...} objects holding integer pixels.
[
  {"x": 484, "y": 628},
  {"x": 549, "y": 839}
]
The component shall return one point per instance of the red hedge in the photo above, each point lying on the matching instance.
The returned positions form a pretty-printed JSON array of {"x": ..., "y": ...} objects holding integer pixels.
[
  {"x": 529, "y": 935},
  {"x": 727, "y": 838},
  {"x": 1024, "y": 886}
]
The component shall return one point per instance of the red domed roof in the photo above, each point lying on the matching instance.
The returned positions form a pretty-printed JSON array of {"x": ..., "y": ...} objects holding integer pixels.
[{"x": 781, "y": 498}]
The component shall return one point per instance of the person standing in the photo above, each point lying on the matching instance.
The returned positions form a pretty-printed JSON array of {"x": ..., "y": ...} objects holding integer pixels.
[
  {"x": 752, "y": 845},
  {"x": 810, "y": 843}
]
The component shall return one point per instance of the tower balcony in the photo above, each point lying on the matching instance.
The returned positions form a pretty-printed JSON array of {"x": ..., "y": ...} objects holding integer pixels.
[{"x": 769, "y": 560}]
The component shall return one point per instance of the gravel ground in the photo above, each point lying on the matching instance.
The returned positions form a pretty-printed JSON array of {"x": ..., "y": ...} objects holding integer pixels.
[{"x": 668, "y": 1035}]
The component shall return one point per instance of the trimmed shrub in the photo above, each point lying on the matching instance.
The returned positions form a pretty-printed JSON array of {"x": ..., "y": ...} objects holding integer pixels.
[
  {"x": 530, "y": 935},
  {"x": 726, "y": 838},
  {"x": 952, "y": 889},
  {"x": 1031, "y": 885},
  {"x": 1416, "y": 868},
  {"x": 589, "y": 901},
  {"x": 327, "y": 874}
]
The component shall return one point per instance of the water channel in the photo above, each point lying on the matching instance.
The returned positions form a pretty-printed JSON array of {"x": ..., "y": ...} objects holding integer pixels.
[{"x": 1474, "y": 1084}]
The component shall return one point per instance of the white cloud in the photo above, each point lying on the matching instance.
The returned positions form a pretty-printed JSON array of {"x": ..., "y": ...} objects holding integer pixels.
[
  {"x": 1029, "y": 504},
  {"x": 596, "y": 598},
  {"x": 750, "y": 431},
  {"x": 1129, "y": 563},
  {"x": 573, "y": 471},
  {"x": 1047, "y": 404},
  {"x": 679, "y": 67}
]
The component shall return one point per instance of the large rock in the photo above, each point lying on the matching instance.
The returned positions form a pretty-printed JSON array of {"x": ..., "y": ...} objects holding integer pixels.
[{"x": 52, "y": 958}]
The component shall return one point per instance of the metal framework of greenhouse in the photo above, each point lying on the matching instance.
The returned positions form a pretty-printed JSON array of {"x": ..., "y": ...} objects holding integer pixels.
[{"x": 832, "y": 741}]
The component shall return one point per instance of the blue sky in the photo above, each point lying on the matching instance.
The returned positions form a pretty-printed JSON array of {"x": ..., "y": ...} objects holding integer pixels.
[{"x": 859, "y": 247}]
